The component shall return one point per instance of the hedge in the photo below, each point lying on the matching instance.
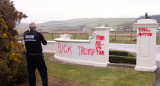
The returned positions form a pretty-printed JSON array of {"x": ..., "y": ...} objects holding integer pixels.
[
  {"x": 121, "y": 53},
  {"x": 122, "y": 57}
]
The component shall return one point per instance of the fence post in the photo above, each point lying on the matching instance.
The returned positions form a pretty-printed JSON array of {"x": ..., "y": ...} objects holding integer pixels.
[
  {"x": 52, "y": 34},
  {"x": 131, "y": 35},
  {"x": 157, "y": 38},
  {"x": 115, "y": 36},
  {"x": 74, "y": 36}
]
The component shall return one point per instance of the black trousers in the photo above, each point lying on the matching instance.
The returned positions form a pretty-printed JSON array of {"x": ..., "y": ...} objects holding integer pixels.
[{"x": 36, "y": 61}]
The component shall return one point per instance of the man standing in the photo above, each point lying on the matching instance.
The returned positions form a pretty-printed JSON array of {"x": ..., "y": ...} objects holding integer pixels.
[{"x": 33, "y": 40}]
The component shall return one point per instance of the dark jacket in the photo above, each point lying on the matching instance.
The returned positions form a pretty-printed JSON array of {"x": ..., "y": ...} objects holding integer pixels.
[{"x": 33, "y": 40}]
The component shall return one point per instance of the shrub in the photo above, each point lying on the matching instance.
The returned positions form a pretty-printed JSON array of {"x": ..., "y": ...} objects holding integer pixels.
[
  {"x": 134, "y": 39},
  {"x": 12, "y": 61},
  {"x": 122, "y": 57},
  {"x": 121, "y": 53},
  {"x": 118, "y": 53}
]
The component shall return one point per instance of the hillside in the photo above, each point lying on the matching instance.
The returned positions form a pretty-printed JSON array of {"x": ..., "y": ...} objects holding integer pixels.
[
  {"x": 91, "y": 22},
  {"x": 22, "y": 26}
]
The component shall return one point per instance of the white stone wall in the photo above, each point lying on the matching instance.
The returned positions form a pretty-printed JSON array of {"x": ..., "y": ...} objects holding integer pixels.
[
  {"x": 94, "y": 52},
  {"x": 50, "y": 47}
]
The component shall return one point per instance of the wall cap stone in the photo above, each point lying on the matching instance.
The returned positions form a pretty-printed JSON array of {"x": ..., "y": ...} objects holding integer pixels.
[
  {"x": 101, "y": 28},
  {"x": 70, "y": 40}
]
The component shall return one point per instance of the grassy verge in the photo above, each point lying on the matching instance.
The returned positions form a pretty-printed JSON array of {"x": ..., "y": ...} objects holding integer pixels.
[
  {"x": 122, "y": 37},
  {"x": 82, "y": 37},
  {"x": 158, "y": 43},
  {"x": 123, "y": 42},
  {"x": 93, "y": 76}
]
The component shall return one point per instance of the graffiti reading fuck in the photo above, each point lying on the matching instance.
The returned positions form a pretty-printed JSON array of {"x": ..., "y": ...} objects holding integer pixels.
[
  {"x": 144, "y": 32},
  {"x": 64, "y": 49}
]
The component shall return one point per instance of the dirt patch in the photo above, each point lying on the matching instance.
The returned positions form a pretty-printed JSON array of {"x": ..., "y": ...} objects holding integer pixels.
[
  {"x": 62, "y": 82},
  {"x": 52, "y": 81}
]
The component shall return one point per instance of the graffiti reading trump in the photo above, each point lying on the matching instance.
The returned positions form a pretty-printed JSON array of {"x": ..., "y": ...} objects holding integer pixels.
[{"x": 90, "y": 51}]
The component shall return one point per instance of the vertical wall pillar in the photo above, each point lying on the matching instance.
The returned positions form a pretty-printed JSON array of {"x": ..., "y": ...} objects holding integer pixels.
[
  {"x": 146, "y": 45},
  {"x": 101, "y": 44}
]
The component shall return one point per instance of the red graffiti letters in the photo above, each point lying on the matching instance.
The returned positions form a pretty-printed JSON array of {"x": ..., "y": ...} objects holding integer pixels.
[
  {"x": 98, "y": 37},
  {"x": 144, "y": 32},
  {"x": 99, "y": 51},
  {"x": 143, "y": 29},
  {"x": 99, "y": 44},
  {"x": 84, "y": 51},
  {"x": 64, "y": 49}
]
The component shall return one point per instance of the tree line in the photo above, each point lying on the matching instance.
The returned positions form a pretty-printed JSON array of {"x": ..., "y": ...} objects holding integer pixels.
[{"x": 156, "y": 17}]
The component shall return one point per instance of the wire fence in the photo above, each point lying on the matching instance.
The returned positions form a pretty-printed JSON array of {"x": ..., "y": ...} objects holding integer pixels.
[
  {"x": 114, "y": 35},
  {"x": 84, "y": 35}
]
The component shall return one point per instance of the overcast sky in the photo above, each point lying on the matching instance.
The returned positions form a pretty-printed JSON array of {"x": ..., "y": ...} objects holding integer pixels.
[{"x": 53, "y": 10}]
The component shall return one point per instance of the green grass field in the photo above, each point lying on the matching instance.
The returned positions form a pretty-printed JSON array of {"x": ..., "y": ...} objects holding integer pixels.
[
  {"x": 93, "y": 76},
  {"x": 83, "y": 37},
  {"x": 119, "y": 39},
  {"x": 123, "y": 42},
  {"x": 86, "y": 37}
]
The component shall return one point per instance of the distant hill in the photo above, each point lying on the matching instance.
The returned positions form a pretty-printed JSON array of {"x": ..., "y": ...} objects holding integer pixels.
[
  {"x": 90, "y": 22},
  {"x": 22, "y": 25}
]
